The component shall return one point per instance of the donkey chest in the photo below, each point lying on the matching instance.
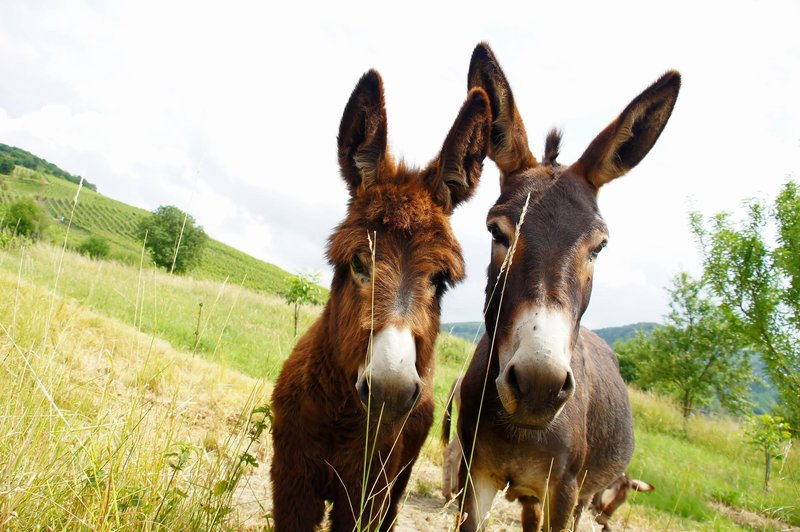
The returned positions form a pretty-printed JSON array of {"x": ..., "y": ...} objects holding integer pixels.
[{"x": 520, "y": 470}]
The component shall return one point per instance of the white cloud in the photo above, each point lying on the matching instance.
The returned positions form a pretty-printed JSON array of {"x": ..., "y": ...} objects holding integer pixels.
[{"x": 232, "y": 113}]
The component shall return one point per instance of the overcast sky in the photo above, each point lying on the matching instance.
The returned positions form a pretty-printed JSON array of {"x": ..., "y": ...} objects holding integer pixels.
[{"x": 230, "y": 111}]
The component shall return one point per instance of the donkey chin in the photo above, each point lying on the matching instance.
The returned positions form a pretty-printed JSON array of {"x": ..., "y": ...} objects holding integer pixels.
[
  {"x": 389, "y": 386},
  {"x": 528, "y": 412}
]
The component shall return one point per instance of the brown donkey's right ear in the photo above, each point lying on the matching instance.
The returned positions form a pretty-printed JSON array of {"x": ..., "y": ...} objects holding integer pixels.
[
  {"x": 362, "y": 134},
  {"x": 461, "y": 161},
  {"x": 509, "y": 142}
]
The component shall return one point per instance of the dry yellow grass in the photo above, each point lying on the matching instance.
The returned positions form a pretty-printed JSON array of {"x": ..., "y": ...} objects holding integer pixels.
[{"x": 105, "y": 427}]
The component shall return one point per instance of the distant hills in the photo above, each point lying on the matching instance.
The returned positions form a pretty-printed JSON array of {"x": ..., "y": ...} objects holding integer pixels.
[
  {"x": 473, "y": 330},
  {"x": 94, "y": 214},
  {"x": 763, "y": 392}
]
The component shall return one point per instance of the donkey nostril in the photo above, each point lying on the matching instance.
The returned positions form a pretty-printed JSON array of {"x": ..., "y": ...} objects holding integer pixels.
[
  {"x": 513, "y": 383},
  {"x": 363, "y": 391},
  {"x": 414, "y": 396},
  {"x": 569, "y": 383}
]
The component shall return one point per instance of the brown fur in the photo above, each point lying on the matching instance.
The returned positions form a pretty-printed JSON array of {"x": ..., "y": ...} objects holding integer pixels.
[
  {"x": 320, "y": 424},
  {"x": 548, "y": 432}
]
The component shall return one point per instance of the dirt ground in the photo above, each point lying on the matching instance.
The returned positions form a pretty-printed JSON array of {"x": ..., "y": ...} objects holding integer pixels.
[{"x": 425, "y": 508}]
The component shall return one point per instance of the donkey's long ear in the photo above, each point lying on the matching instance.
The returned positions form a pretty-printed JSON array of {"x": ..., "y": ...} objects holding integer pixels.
[
  {"x": 625, "y": 142},
  {"x": 362, "y": 133},
  {"x": 509, "y": 142},
  {"x": 455, "y": 175},
  {"x": 641, "y": 485}
]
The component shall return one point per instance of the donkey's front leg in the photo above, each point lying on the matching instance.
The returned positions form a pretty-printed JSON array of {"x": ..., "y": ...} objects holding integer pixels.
[
  {"x": 479, "y": 495},
  {"x": 411, "y": 440},
  {"x": 531, "y": 514},
  {"x": 563, "y": 497},
  {"x": 296, "y": 506}
]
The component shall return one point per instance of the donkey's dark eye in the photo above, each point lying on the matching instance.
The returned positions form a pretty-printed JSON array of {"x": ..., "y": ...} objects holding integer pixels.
[
  {"x": 497, "y": 235},
  {"x": 440, "y": 282},
  {"x": 358, "y": 267},
  {"x": 596, "y": 251}
]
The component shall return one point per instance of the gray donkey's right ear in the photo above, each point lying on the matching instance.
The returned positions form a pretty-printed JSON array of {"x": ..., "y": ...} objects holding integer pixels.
[{"x": 625, "y": 141}]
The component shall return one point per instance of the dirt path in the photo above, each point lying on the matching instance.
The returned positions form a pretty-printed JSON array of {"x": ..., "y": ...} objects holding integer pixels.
[
  {"x": 752, "y": 520},
  {"x": 424, "y": 508}
]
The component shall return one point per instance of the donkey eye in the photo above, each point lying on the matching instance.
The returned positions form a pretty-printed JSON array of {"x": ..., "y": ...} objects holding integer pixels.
[
  {"x": 497, "y": 235},
  {"x": 596, "y": 251},
  {"x": 439, "y": 280},
  {"x": 358, "y": 266}
]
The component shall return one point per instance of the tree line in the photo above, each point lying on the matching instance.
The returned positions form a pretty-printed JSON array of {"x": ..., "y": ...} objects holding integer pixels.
[
  {"x": 744, "y": 307},
  {"x": 10, "y": 156}
]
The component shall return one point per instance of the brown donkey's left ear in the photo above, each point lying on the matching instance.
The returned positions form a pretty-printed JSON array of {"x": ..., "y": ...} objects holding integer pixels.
[
  {"x": 461, "y": 160},
  {"x": 625, "y": 142},
  {"x": 362, "y": 134}
]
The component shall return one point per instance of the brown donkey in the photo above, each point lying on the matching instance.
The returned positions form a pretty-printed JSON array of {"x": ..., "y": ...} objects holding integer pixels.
[
  {"x": 544, "y": 412},
  {"x": 353, "y": 403}
]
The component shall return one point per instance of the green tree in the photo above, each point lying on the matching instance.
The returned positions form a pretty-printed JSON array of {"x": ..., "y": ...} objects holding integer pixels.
[
  {"x": 6, "y": 165},
  {"x": 758, "y": 283},
  {"x": 303, "y": 289},
  {"x": 771, "y": 435},
  {"x": 693, "y": 357},
  {"x": 173, "y": 238},
  {"x": 25, "y": 217},
  {"x": 95, "y": 246}
]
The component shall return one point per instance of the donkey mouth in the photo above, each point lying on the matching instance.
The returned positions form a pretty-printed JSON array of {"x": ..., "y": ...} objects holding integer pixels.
[
  {"x": 525, "y": 419},
  {"x": 520, "y": 413},
  {"x": 385, "y": 415},
  {"x": 391, "y": 409}
]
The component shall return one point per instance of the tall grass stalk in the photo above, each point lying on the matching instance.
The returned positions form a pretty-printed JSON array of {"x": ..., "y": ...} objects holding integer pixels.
[{"x": 504, "y": 268}]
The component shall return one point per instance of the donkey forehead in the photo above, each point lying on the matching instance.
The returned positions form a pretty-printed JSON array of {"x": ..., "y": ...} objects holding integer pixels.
[
  {"x": 398, "y": 206},
  {"x": 559, "y": 204},
  {"x": 404, "y": 223}
]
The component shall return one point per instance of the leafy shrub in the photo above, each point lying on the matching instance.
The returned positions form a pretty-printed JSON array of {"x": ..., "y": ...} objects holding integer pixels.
[
  {"x": 6, "y": 165},
  {"x": 303, "y": 289},
  {"x": 26, "y": 218},
  {"x": 9, "y": 240},
  {"x": 452, "y": 350},
  {"x": 95, "y": 246},
  {"x": 175, "y": 241}
]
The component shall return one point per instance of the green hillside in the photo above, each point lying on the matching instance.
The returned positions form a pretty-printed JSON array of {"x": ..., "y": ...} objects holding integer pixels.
[
  {"x": 28, "y": 160},
  {"x": 472, "y": 330},
  {"x": 624, "y": 332},
  {"x": 95, "y": 214}
]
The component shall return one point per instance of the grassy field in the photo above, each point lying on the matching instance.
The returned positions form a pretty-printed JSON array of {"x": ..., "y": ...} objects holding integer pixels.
[
  {"x": 116, "y": 222},
  {"x": 120, "y": 412}
]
